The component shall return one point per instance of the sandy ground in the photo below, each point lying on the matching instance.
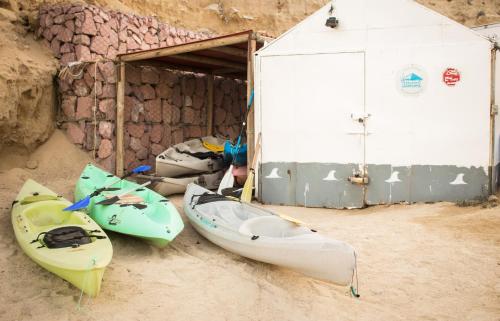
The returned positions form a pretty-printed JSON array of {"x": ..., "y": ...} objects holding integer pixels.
[{"x": 418, "y": 262}]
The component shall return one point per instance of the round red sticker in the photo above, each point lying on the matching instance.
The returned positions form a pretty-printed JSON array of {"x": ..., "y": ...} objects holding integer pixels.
[{"x": 451, "y": 76}]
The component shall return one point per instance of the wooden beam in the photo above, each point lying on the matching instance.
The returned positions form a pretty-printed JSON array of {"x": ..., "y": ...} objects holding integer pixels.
[
  {"x": 242, "y": 53},
  {"x": 209, "y": 61},
  {"x": 210, "y": 105},
  {"x": 188, "y": 47},
  {"x": 120, "y": 113},
  {"x": 165, "y": 65},
  {"x": 252, "y": 45}
]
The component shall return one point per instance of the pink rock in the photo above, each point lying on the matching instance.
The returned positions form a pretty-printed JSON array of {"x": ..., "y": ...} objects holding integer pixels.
[
  {"x": 136, "y": 91},
  {"x": 113, "y": 23},
  {"x": 162, "y": 35},
  {"x": 82, "y": 53},
  {"x": 108, "y": 91},
  {"x": 150, "y": 76},
  {"x": 219, "y": 116},
  {"x": 163, "y": 91},
  {"x": 59, "y": 19},
  {"x": 98, "y": 19},
  {"x": 132, "y": 44},
  {"x": 176, "y": 97},
  {"x": 55, "y": 29},
  {"x": 123, "y": 36},
  {"x": 88, "y": 25},
  {"x": 106, "y": 129},
  {"x": 135, "y": 144},
  {"x": 145, "y": 140},
  {"x": 144, "y": 46},
  {"x": 200, "y": 87},
  {"x": 112, "y": 53},
  {"x": 70, "y": 24},
  {"x": 188, "y": 101},
  {"x": 188, "y": 86},
  {"x": 170, "y": 41},
  {"x": 75, "y": 133},
  {"x": 66, "y": 48},
  {"x": 152, "y": 110},
  {"x": 55, "y": 45},
  {"x": 105, "y": 30},
  {"x": 227, "y": 86},
  {"x": 105, "y": 148},
  {"x": 64, "y": 34},
  {"x": 227, "y": 103},
  {"x": 108, "y": 107},
  {"x": 75, "y": 9},
  {"x": 218, "y": 97},
  {"x": 142, "y": 153},
  {"x": 168, "y": 77},
  {"x": 84, "y": 107},
  {"x": 178, "y": 41},
  {"x": 157, "y": 149},
  {"x": 68, "y": 106},
  {"x": 133, "y": 74},
  {"x": 148, "y": 92},
  {"x": 156, "y": 133},
  {"x": 123, "y": 48},
  {"x": 151, "y": 39},
  {"x": 81, "y": 40},
  {"x": 198, "y": 102},
  {"x": 143, "y": 29},
  {"x": 113, "y": 39},
  {"x": 47, "y": 34},
  {"x": 80, "y": 88},
  {"x": 108, "y": 71},
  {"x": 195, "y": 131},
  {"x": 177, "y": 136},
  {"x": 108, "y": 164},
  {"x": 67, "y": 58},
  {"x": 135, "y": 130},
  {"x": 188, "y": 115},
  {"x": 129, "y": 158},
  {"x": 99, "y": 45}
]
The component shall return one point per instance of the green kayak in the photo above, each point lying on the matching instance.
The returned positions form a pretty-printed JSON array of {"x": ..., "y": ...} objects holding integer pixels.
[{"x": 141, "y": 213}]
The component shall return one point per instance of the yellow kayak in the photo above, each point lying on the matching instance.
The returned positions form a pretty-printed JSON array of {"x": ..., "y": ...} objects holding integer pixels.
[{"x": 68, "y": 244}]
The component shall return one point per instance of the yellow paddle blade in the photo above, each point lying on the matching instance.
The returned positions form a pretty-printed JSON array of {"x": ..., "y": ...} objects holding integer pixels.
[
  {"x": 246, "y": 194},
  {"x": 291, "y": 219},
  {"x": 213, "y": 147}
]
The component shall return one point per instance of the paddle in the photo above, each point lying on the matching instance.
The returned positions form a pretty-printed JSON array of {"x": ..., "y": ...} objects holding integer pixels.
[
  {"x": 116, "y": 198},
  {"x": 84, "y": 202},
  {"x": 228, "y": 179},
  {"x": 246, "y": 194}
]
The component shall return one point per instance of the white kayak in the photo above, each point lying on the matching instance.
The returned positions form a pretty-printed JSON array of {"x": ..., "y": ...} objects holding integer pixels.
[
  {"x": 264, "y": 236},
  {"x": 168, "y": 185},
  {"x": 190, "y": 157}
]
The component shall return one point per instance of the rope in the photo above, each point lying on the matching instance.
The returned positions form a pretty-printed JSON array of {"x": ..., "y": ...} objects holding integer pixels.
[
  {"x": 93, "y": 262},
  {"x": 355, "y": 290}
]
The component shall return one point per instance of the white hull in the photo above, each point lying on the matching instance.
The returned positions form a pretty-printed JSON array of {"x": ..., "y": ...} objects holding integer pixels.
[
  {"x": 263, "y": 236},
  {"x": 173, "y": 162}
]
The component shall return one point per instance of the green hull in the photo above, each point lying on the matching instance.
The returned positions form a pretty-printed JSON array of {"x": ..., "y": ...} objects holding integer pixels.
[{"x": 158, "y": 224}]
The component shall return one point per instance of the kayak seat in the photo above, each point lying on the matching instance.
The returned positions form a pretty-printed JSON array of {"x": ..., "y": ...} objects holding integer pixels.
[
  {"x": 271, "y": 226},
  {"x": 51, "y": 213}
]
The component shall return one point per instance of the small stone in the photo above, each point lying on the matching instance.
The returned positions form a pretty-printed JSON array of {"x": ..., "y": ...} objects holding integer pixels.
[
  {"x": 188, "y": 115},
  {"x": 163, "y": 91},
  {"x": 157, "y": 149},
  {"x": 150, "y": 76},
  {"x": 135, "y": 130},
  {"x": 75, "y": 133},
  {"x": 108, "y": 71},
  {"x": 108, "y": 91},
  {"x": 82, "y": 53},
  {"x": 133, "y": 74},
  {"x": 99, "y": 45},
  {"x": 108, "y": 107},
  {"x": 156, "y": 133},
  {"x": 152, "y": 110},
  {"x": 68, "y": 106},
  {"x": 84, "y": 107},
  {"x": 106, "y": 129},
  {"x": 148, "y": 92},
  {"x": 135, "y": 144},
  {"x": 188, "y": 86},
  {"x": 32, "y": 164},
  {"x": 105, "y": 148},
  {"x": 492, "y": 198},
  {"x": 64, "y": 34},
  {"x": 88, "y": 25}
]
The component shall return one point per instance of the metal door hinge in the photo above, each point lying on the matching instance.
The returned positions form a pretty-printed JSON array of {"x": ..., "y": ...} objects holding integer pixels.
[{"x": 494, "y": 110}]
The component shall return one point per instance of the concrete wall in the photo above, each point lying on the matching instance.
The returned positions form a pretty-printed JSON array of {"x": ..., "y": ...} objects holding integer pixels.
[{"x": 162, "y": 107}]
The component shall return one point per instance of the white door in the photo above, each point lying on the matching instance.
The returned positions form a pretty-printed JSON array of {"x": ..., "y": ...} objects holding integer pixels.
[{"x": 312, "y": 139}]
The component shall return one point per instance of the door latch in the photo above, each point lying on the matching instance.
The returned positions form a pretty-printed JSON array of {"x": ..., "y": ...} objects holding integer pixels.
[{"x": 359, "y": 179}]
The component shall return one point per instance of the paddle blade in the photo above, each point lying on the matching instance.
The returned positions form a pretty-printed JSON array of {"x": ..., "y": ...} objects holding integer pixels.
[
  {"x": 291, "y": 219},
  {"x": 109, "y": 201},
  {"x": 140, "y": 169},
  {"x": 227, "y": 181},
  {"x": 84, "y": 202},
  {"x": 246, "y": 194}
]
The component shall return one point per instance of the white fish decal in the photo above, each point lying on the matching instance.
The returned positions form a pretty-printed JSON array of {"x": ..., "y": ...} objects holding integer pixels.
[
  {"x": 330, "y": 176},
  {"x": 394, "y": 178},
  {"x": 459, "y": 180},
  {"x": 274, "y": 173}
]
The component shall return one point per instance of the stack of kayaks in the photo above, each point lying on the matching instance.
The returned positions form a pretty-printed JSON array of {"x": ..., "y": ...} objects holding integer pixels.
[
  {"x": 68, "y": 244},
  {"x": 152, "y": 218},
  {"x": 194, "y": 161},
  {"x": 265, "y": 236}
]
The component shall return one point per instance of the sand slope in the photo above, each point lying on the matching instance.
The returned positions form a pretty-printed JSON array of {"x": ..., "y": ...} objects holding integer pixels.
[{"x": 419, "y": 262}]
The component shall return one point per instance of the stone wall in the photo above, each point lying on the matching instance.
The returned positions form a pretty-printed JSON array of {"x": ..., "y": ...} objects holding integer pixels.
[{"x": 162, "y": 107}]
